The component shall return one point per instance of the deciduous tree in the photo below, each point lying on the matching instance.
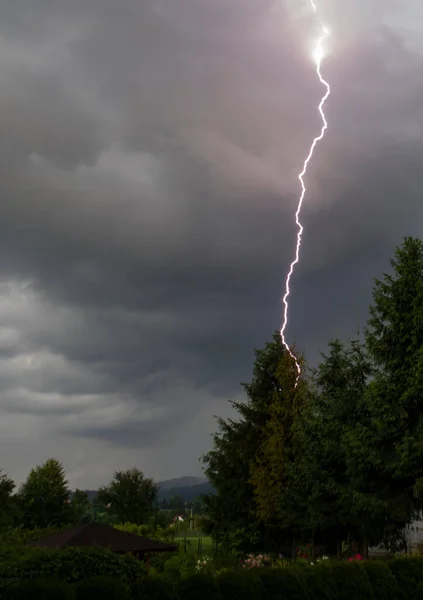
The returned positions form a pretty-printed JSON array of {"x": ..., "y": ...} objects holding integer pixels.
[{"x": 130, "y": 496}]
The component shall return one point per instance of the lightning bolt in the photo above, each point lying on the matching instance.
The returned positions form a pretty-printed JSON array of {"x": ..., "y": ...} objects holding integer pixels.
[{"x": 318, "y": 56}]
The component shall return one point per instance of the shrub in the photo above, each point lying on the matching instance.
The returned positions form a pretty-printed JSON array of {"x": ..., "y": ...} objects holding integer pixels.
[
  {"x": 381, "y": 579},
  {"x": 101, "y": 588},
  {"x": 199, "y": 587},
  {"x": 419, "y": 591},
  {"x": 39, "y": 589},
  {"x": 285, "y": 583},
  {"x": 240, "y": 586},
  {"x": 319, "y": 581},
  {"x": 71, "y": 565},
  {"x": 153, "y": 587},
  {"x": 180, "y": 566},
  {"x": 408, "y": 573},
  {"x": 352, "y": 581}
]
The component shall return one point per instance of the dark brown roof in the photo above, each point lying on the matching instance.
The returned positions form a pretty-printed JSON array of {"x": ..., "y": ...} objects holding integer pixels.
[{"x": 94, "y": 534}]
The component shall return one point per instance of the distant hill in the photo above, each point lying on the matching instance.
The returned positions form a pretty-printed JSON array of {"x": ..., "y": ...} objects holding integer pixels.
[
  {"x": 187, "y": 487},
  {"x": 179, "y": 482},
  {"x": 187, "y": 492}
]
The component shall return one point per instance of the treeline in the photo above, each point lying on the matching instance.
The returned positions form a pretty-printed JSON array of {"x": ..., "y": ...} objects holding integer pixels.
[
  {"x": 45, "y": 501},
  {"x": 337, "y": 458}
]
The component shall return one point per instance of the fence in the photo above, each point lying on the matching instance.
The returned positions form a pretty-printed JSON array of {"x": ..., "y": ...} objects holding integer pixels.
[{"x": 199, "y": 544}]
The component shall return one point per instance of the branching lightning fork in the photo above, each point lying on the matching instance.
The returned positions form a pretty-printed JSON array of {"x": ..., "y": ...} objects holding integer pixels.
[{"x": 318, "y": 58}]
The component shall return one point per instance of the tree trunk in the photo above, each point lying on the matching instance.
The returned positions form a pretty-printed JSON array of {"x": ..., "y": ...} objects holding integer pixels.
[{"x": 294, "y": 547}]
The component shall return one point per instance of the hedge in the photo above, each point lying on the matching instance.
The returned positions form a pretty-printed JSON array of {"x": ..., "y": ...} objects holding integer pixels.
[
  {"x": 199, "y": 587},
  {"x": 287, "y": 584},
  {"x": 154, "y": 587},
  {"x": 320, "y": 582},
  {"x": 39, "y": 589},
  {"x": 397, "y": 579},
  {"x": 408, "y": 573},
  {"x": 382, "y": 580},
  {"x": 352, "y": 581},
  {"x": 102, "y": 588},
  {"x": 235, "y": 585},
  {"x": 70, "y": 565}
]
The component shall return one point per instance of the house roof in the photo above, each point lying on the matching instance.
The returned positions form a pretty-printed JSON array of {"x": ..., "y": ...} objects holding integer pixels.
[{"x": 95, "y": 534}]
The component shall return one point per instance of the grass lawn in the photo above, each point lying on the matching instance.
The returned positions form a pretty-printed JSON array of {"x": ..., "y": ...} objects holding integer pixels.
[{"x": 207, "y": 542}]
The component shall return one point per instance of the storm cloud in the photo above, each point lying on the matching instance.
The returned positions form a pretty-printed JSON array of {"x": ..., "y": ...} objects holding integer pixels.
[{"x": 149, "y": 154}]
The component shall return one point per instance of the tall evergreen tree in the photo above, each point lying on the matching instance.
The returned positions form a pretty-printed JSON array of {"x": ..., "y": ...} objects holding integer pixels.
[
  {"x": 236, "y": 448},
  {"x": 395, "y": 341},
  {"x": 328, "y": 428},
  {"x": 44, "y": 496},
  {"x": 275, "y": 469}
]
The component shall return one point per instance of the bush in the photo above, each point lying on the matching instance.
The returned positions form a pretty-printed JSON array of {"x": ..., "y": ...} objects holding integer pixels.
[
  {"x": 381, "y": 579},
  {"x": 39, "y": 589},
  {"x": 101, "y": 588},
  {"x": 245, "y": 585},
  {"x": 153, "y": 587},
  {"x": 286, "y": 584},
  {"x": 352, "y": 582},
  {"x": 320, "y": 582},
  {"x": 71, "y": 565},
  {"x": 199, "y": 587},
  {"x": 408, "y": 573},
  {"x": 179, "y": 566}
]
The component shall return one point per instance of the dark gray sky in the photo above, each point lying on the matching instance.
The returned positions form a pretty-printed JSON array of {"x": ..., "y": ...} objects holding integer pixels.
[{"x": 148, "y": 160}]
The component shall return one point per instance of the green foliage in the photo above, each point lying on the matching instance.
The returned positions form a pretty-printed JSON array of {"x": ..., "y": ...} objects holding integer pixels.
[
  {"x": 408, "y": 573},
  {"x": 340, "y": 457},
  {"x": 180, "y": 565},
  {"x": 352, "y": 581},
  {"x": 199, "y": 586},
  {"x": 274, "y": 471},
  {"x": 177, "y": 503},
  {"x": 237, "y": 446},
  {"x": 382, "y": 581},
  {"x": 80, "y": 506},
  {"x": 395, "y": 327},
  {"x": 44, "y": 496},
  {"x": 101, "y": 588},
  {"x": 397, "y": 579},
  {"x": 154, "y": 587},
  {"x": 40, "y": 589},
  {"x": 319, "y": 582},
  {"x": 130, "y": 496},
  {"x": 395, "y": 341},
  {"x": 162, "y": 534},
  {"x": 334, "y": 467},
  {"x": 284, "y": 584},
  {"x": 244, "y": 585},
  {"x": 70, "y": 565},
  {"x": 7, "y": 486}
]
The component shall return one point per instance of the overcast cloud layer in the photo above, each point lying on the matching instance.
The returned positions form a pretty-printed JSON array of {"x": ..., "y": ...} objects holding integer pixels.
[{"x": 148, "y": 160}]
